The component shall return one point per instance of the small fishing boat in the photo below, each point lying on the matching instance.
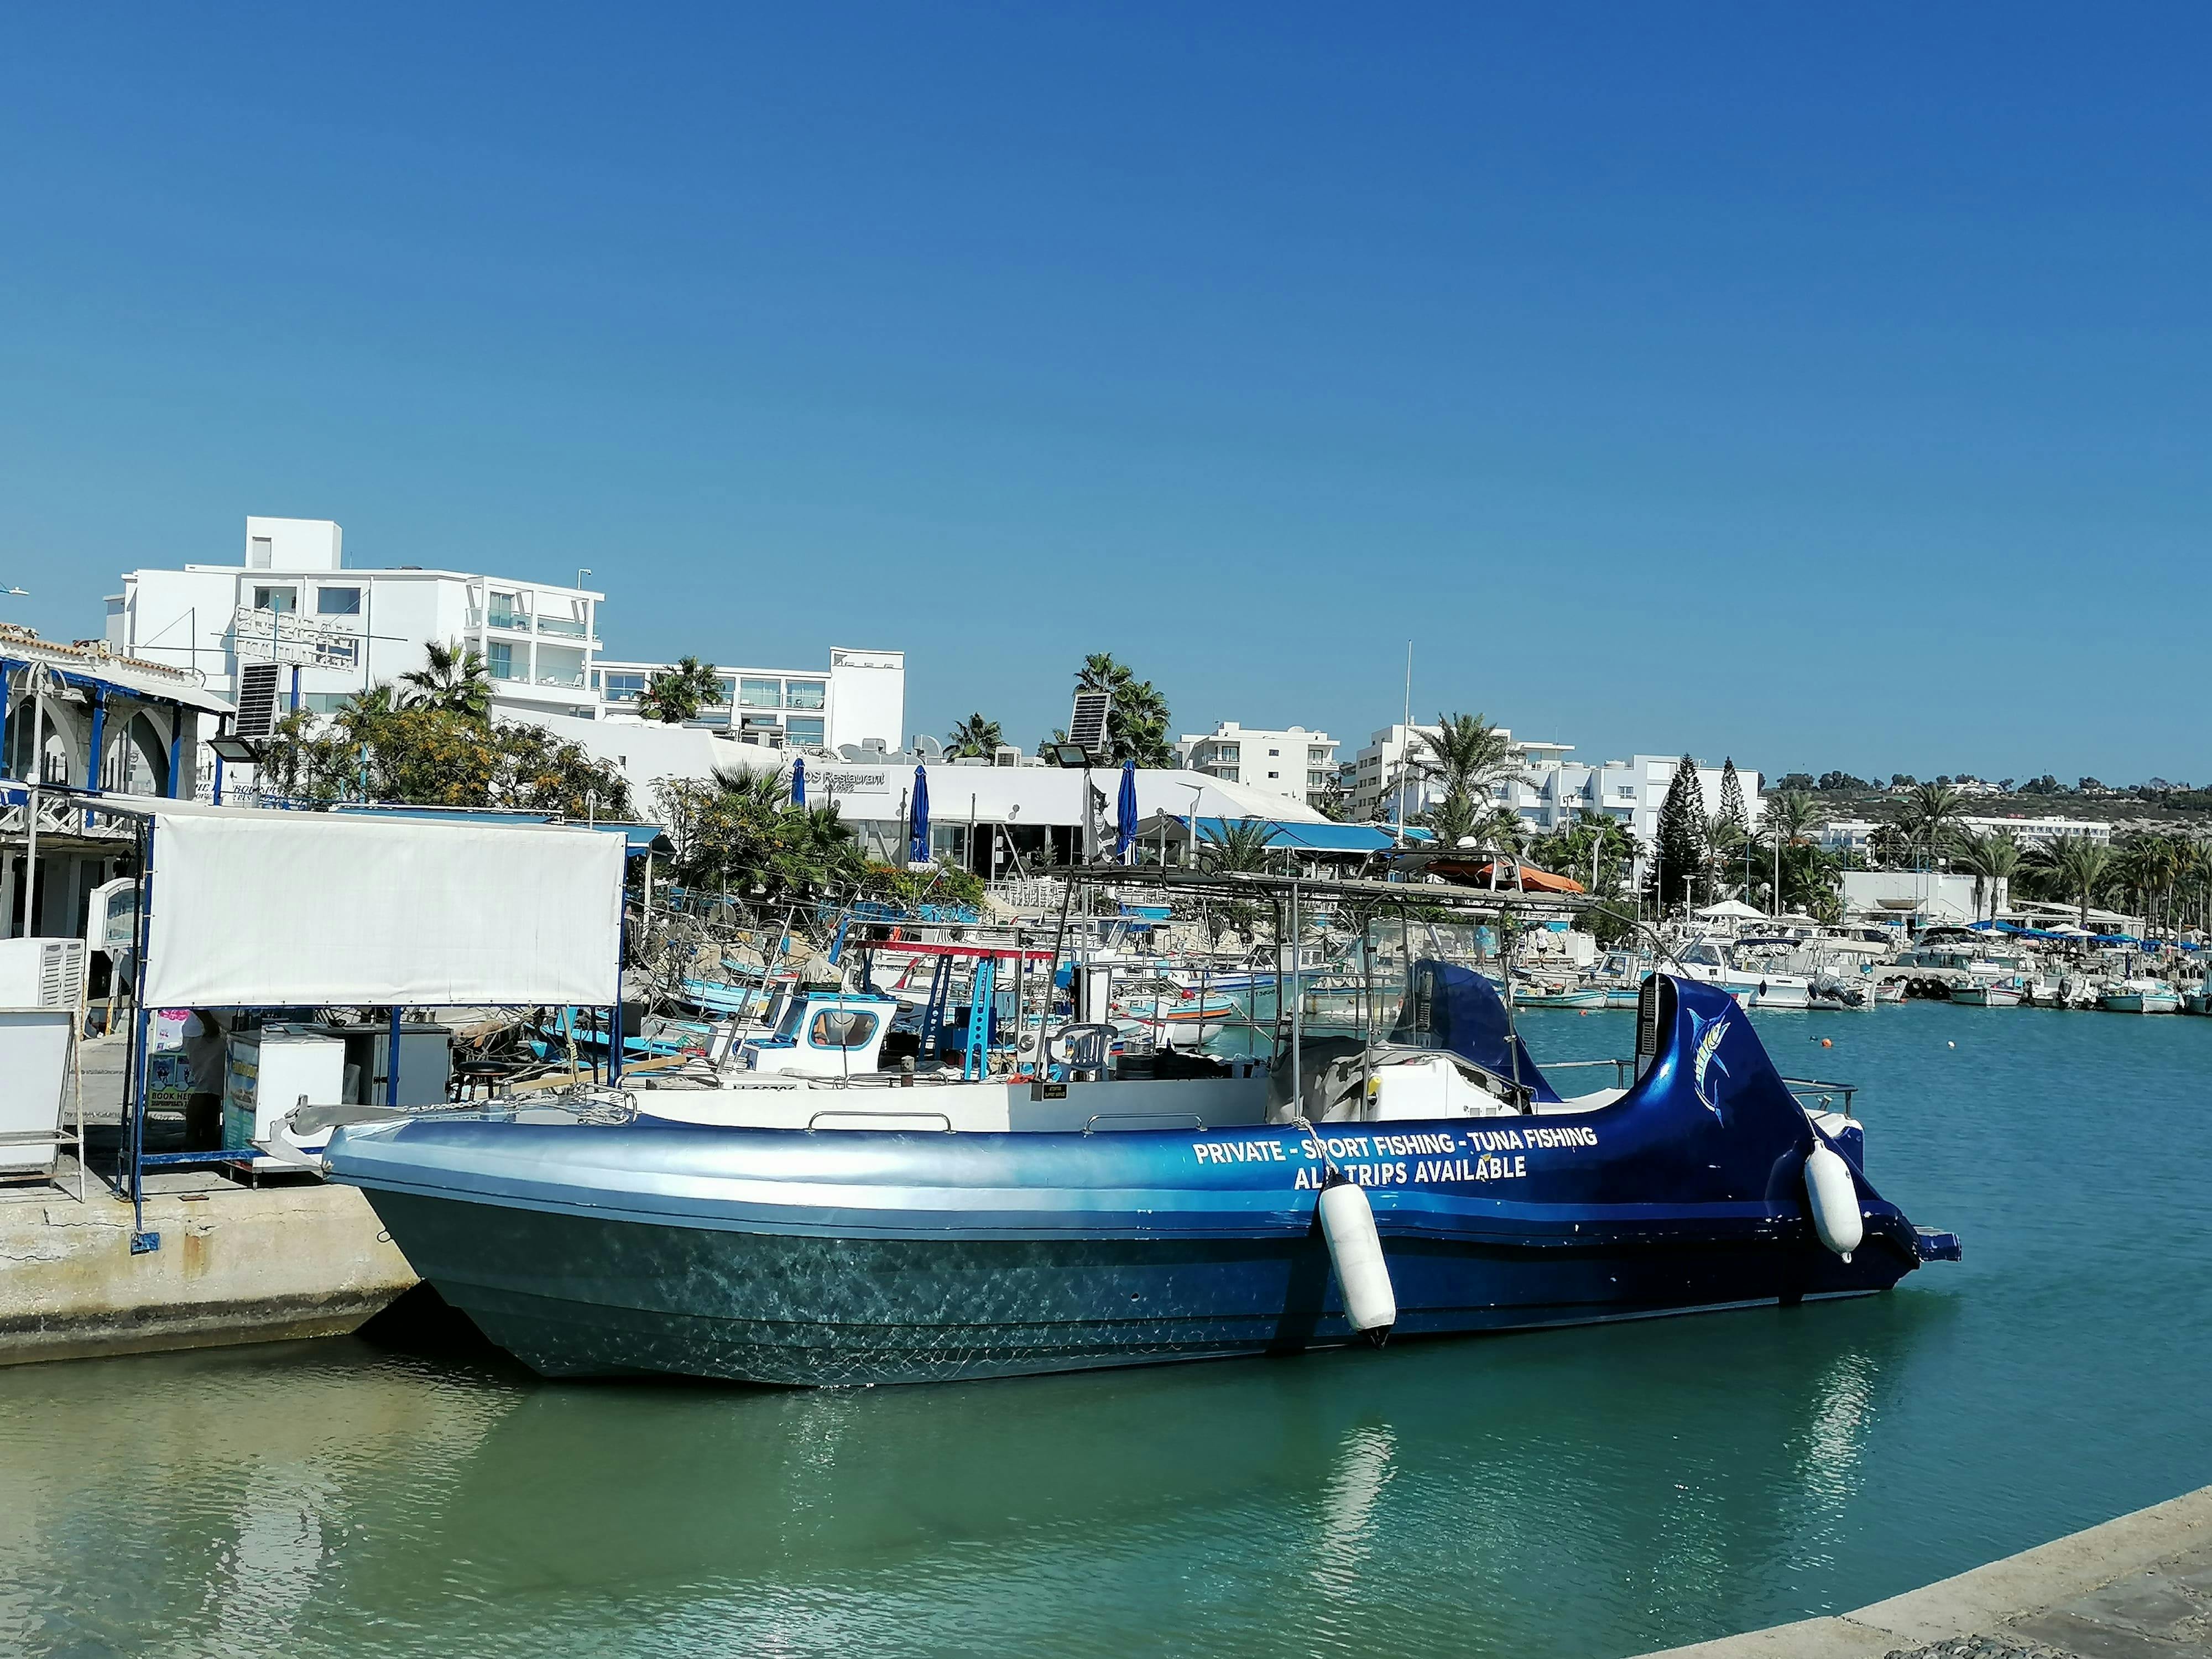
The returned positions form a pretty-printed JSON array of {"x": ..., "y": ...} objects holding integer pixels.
[
  {"x": 2140, "y": 996},
  {"x": 1433, "y": 1184},
  {"x": 1990, "y": 994},
  {"x": 1575, "y": 996}
]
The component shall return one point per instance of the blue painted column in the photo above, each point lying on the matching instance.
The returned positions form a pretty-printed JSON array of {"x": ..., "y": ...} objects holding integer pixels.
[
  {"x": 176, "y": 747},
  {"x": 391, "y": 1062},
  {"x": 98, "y": 737},
  {"x": 7, "y": 672}
]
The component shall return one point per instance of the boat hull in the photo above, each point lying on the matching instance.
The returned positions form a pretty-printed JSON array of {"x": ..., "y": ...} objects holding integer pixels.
[
  {"x": 593, "y": 1242},
  {"x": 586, "y": 1296}
]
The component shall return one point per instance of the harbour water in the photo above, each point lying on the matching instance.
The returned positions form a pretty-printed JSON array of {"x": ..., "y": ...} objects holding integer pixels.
[{"x": 1596, "y": 1492}]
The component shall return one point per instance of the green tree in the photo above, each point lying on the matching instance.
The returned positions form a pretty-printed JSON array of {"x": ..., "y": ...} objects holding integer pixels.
[
  {"x": 1682, "y": 858},
  {"x": 1470, "y": 756},
  {"x": 1930, "y": 817},
  {"x": 976, "y": 737},
  {"x": 1136, "y": 720},
  {"x": 1238, "y": 846},
  {"x": 379, "y": 747},
  {"x": 2076, "y": 867},
  {"x": 452, "y": 680},
  {"x": 1732, "y": 812},
  {"x": 1990, "y": 860},
  {"x": 673, "y": 695}
]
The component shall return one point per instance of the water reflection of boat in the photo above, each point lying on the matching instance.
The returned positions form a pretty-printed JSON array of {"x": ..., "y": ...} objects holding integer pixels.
[{"x": 594, "y": 1243}]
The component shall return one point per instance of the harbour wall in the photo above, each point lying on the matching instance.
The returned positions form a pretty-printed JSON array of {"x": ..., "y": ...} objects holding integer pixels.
[
  {"x": 2136, "y": 1585},
  {"x": 233, "y": 1265}
]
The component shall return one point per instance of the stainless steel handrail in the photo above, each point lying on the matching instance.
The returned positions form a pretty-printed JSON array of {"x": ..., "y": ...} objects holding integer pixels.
[
  {"x": 940, "y": 1117},
  {"x": 1097, "y": 1118}
]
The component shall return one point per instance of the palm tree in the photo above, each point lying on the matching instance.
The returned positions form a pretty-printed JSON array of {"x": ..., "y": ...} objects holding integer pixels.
[
  {"x": 452, "y": 680},
  {"x": 1782, "y": 823},
  {"x": 1931, "y": 815},
  {"x": 742, "y": 788},
  {"x": 1240, "y": 845},
  {"x": 676, "y": 695},
  {"x": 1988, "y": 859},
  {"x": 2076, "y": 866},
  {"x": 1137, "y": 721},
  {"x": 1469, "y": 753},
  {"x": 976, "y": 737}
]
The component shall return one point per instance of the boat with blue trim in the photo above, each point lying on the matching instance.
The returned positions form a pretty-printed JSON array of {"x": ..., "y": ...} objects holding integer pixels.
[{"x": 789, "y": 1231}]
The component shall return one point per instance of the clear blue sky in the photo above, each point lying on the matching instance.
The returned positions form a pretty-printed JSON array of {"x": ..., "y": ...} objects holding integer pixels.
[{"x": 1821, "y": 386}]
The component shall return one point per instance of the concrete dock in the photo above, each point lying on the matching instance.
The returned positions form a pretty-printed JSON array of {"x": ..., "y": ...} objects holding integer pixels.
[
  {"x": 2139, "y": 1587},
  {"x": 234, "y": 1264}
]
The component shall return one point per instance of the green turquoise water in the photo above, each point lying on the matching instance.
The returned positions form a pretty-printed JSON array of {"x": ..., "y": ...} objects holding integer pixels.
[{"x": 1598, "y": 1492}]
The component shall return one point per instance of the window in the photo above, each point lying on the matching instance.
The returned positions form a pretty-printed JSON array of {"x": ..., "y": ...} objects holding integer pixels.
[
  {"x": 510, "y": 610},
  {"x": 1317, "y": 757},
  {"x": 623, "y": 688},
  {"x": 760, "y": 693},
  {"x": 325, "y": 703},
  {"x": 803, "y": 693},
  {"x": 337, "y": 601},
  {"x": 1273, "y": 754},
  {"x": 561, "y": 665},
  {"x": 840, "y": 1028},
  {"x": 498, "y": 657},
  {"x": 804, "y": 731},
  {"x": 1274, "y": 774},
  {"x": 276, "y": 599},
  {"x": 1227, "y": 751},
  {"x": 727, "y": 695}
]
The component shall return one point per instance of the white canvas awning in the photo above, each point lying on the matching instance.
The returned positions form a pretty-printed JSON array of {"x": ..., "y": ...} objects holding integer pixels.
[{"x": 252, "y": 908}]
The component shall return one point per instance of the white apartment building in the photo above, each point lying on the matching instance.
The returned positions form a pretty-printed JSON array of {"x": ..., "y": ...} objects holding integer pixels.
[
  {"x": 1548, "y": 790},
  {"x": 339, "y": 630},
  {"x": 1856, "y": 834},
  {"x": 859, "y": 703},
  {"x": 1294, "y": 761}
]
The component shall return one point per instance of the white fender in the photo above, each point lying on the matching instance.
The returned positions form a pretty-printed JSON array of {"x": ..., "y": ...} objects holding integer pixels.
[
  {"x": 1355, "y": 1250},
  {"x": 1834, "y": 1197}
]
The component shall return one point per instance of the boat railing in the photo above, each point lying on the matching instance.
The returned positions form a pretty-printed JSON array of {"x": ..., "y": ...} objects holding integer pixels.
[
  {"x": 1824, "y": 1090},
  {"x": 941, "y": 1117},
  {"x": 1097, "y": 1118}
]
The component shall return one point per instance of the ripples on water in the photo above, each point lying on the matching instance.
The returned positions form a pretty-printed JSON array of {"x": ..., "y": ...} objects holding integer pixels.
[{"x": 1596, "y": 1492}]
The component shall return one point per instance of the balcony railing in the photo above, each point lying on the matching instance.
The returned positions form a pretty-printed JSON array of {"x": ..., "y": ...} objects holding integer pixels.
[
  {"x": 566, "y": 626},
  {"x": 574, "y": 679}
]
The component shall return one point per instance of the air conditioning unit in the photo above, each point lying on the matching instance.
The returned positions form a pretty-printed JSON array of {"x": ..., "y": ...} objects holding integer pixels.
[
  {"x": 1007, "y": 754},
  {"x": 41, "y": 983},
  {"x": 41, "y": 973}
]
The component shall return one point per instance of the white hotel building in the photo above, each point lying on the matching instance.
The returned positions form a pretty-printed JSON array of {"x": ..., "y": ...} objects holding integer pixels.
[
  {"x": 540, "y": 642},
  {"x": 1294, "y": 761},
  {"x": 1549, "y": 788}
]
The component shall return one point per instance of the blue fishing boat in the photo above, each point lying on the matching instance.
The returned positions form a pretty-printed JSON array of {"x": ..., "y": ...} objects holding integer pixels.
[{"x": 866, "y": 1250}]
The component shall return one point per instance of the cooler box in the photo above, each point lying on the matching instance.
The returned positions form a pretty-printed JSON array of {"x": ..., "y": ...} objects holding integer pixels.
[{"x": 271, "y": 1071}]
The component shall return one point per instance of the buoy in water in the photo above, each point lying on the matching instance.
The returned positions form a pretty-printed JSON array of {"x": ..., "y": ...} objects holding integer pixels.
[
  {"x": 1355, "y": 1250},
  {"x": 1834, "y": 1198},
  {"x": 1950, "y": 1045},
  {"x": 1827, "y": 1042}
]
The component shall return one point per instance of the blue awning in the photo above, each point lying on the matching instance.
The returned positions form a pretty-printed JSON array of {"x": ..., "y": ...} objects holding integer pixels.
[{"x": 1341, "y": 838}]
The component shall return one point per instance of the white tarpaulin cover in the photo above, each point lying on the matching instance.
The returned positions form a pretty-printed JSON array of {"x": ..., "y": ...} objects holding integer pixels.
[{"x": 269, "y": 909}]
